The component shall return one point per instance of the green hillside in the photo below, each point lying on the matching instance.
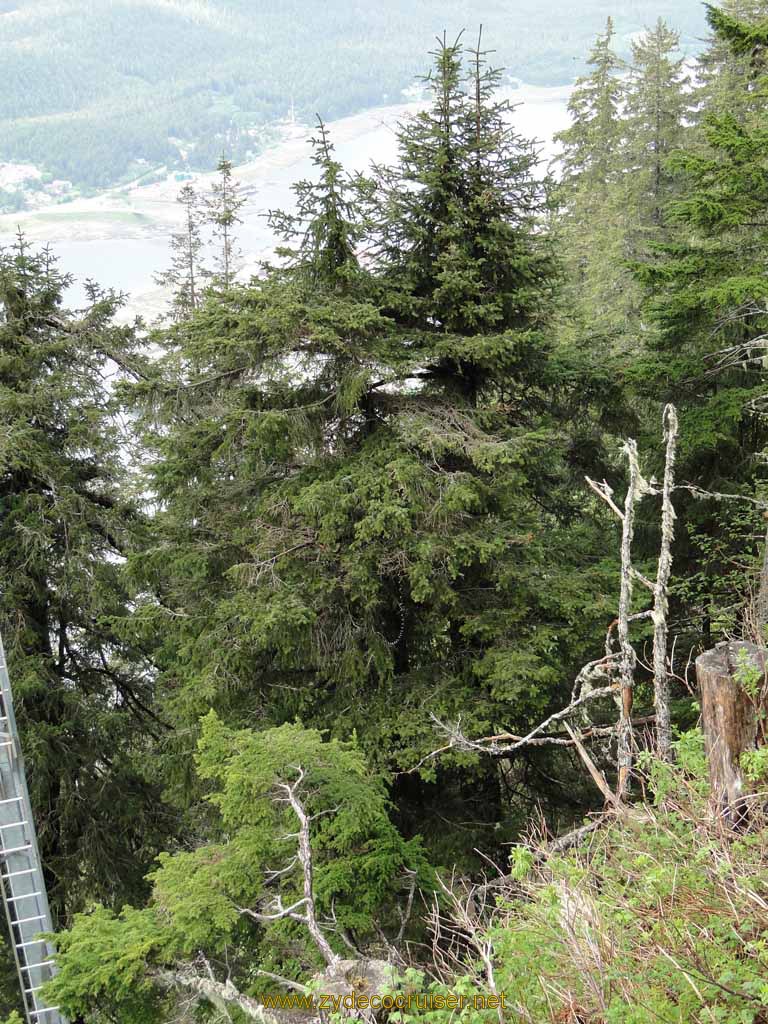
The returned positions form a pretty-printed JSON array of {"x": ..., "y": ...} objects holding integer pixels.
[{"x": 92, "y": 87}]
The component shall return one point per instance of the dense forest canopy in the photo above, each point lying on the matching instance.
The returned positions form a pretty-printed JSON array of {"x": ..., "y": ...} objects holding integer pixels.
[
  {"x": 90, "y": 88},
  {"x": 351, "y": 609}
]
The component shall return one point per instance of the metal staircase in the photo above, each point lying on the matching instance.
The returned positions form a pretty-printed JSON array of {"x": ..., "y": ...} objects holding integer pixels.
[{"x": 23, "y": 885}]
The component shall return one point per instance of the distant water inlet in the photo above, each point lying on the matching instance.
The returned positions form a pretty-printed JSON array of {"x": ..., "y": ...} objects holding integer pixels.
[{"x": 123, "y": 264}]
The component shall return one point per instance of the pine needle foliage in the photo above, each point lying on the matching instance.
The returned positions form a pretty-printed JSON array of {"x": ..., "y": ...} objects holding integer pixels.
[
  {"x": 66, "y": 525},
  {"x": 363, "y": 459},
  {"x": 187, "y": 274}
]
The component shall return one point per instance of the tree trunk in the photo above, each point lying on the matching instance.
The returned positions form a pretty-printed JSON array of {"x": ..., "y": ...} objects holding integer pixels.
[{"x": 729, "y": 717}]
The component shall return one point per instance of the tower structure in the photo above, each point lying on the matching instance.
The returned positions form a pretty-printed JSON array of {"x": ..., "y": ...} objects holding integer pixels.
[{"x": 21, "y": 870}]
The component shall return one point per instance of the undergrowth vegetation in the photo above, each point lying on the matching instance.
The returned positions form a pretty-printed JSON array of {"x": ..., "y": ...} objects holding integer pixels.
[{"x": 661, "y": 915}]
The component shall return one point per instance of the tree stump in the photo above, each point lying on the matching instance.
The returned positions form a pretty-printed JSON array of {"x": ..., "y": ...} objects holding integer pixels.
[{"x": 729, "y": 718}]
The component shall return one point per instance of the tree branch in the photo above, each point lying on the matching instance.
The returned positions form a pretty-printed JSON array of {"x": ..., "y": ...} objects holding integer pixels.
[
  {"x": 305, "y": 859},
  {"x": 221, "y": 994},
  {"x": 459, "y": 741}
]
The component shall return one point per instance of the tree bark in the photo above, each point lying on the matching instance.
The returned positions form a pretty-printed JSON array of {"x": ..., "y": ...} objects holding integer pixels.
[
  {"x": 661, "y": 592},
  {"x": 729, "y": 716}
]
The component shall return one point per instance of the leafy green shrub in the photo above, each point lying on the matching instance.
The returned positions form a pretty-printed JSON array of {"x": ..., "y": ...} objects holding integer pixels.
[{"x": 221, "y": 902}]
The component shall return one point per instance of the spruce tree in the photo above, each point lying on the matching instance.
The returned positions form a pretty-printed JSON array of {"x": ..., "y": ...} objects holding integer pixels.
[
  {"x": 187, "y": 274},
  {"x": 320, "y": 237},
  {"x": 84, "y": 694},
  {"x": 706, "y": 305},
  {"x": 239, "y": 906},
  {"x": 592, "y": 219},
  {"x": 250, "y": 394},
  {"x": 362, "y": 484},
  {"x": 591, "y": 141},
  {"x": 727, "y": 74},
  {"x": 708, "y": 282},
  {"x": 223, "y": 205},
  {"x": 656, "y": 112},
  {"x": 459, "y": 211},
  {"x": 616, "y": 182}
]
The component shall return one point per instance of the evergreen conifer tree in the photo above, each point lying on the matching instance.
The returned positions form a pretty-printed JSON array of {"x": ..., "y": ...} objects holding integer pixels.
[
  {"x": 706, "y": 304},
  {"x": 458, "y": 238},
  {"x": 223, "y": 206},
  {"x": 726, "y": 74},
  {"x": 595, "y": 133},
  {"x": 322, "y": 234},
  {"x": 363, "y": 455},
  {"x": 616, "y": 182},
  {"x": 283, "y": 797},
  {"x": 84, "y": 694},
  {"x": 592, "y": 219},
  {"x": 187, "y": 274},
  {"x": 656, "y": 112}
]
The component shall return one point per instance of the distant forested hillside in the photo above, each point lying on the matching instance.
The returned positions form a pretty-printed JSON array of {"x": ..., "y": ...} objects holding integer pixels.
[{"x": 92, "y": 87}]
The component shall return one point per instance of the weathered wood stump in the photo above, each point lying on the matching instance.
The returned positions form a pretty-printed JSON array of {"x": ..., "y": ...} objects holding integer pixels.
[{"x": 732, "y": 683}]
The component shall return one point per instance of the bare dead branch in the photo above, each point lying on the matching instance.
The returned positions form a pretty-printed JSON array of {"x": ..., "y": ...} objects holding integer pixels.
[
  {"x": 271, "y": 875},
  {"x": 222, "y": 994},
  {"x": 458, "y": 741},
  {"x": 332, "y": 924},
  {"x": 661, "y": 590},
  {"x": 598, "y": 777},
  {"x": 308, "y": 917},
  {"x": 628, "y": 659},
  {"x": 295, "y": 985},
  {"x": 305, "y": 859},
  {"x": 606, "y": 493},
  {"x": 703, "y": 495},
  {"x": 279, "y": 913},
  {"x": 405, "y": 915},
  {"x": 575, "y": 836}
]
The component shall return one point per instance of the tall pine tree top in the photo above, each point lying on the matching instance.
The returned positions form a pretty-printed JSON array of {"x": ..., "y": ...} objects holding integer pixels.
[
  {"x": 322, "y": 235},
  {"x": 458, "y": 231},
  {"x": 223, "y": 206},
  {"x": 592, "y": 214},
  {"x": 187, "y": 274},
  {"x": 731, "y": 64},
  {"x": 590, "y": 143},
  {"x": 657, "y": 106},
  {"x": 711, "y": 281}
]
